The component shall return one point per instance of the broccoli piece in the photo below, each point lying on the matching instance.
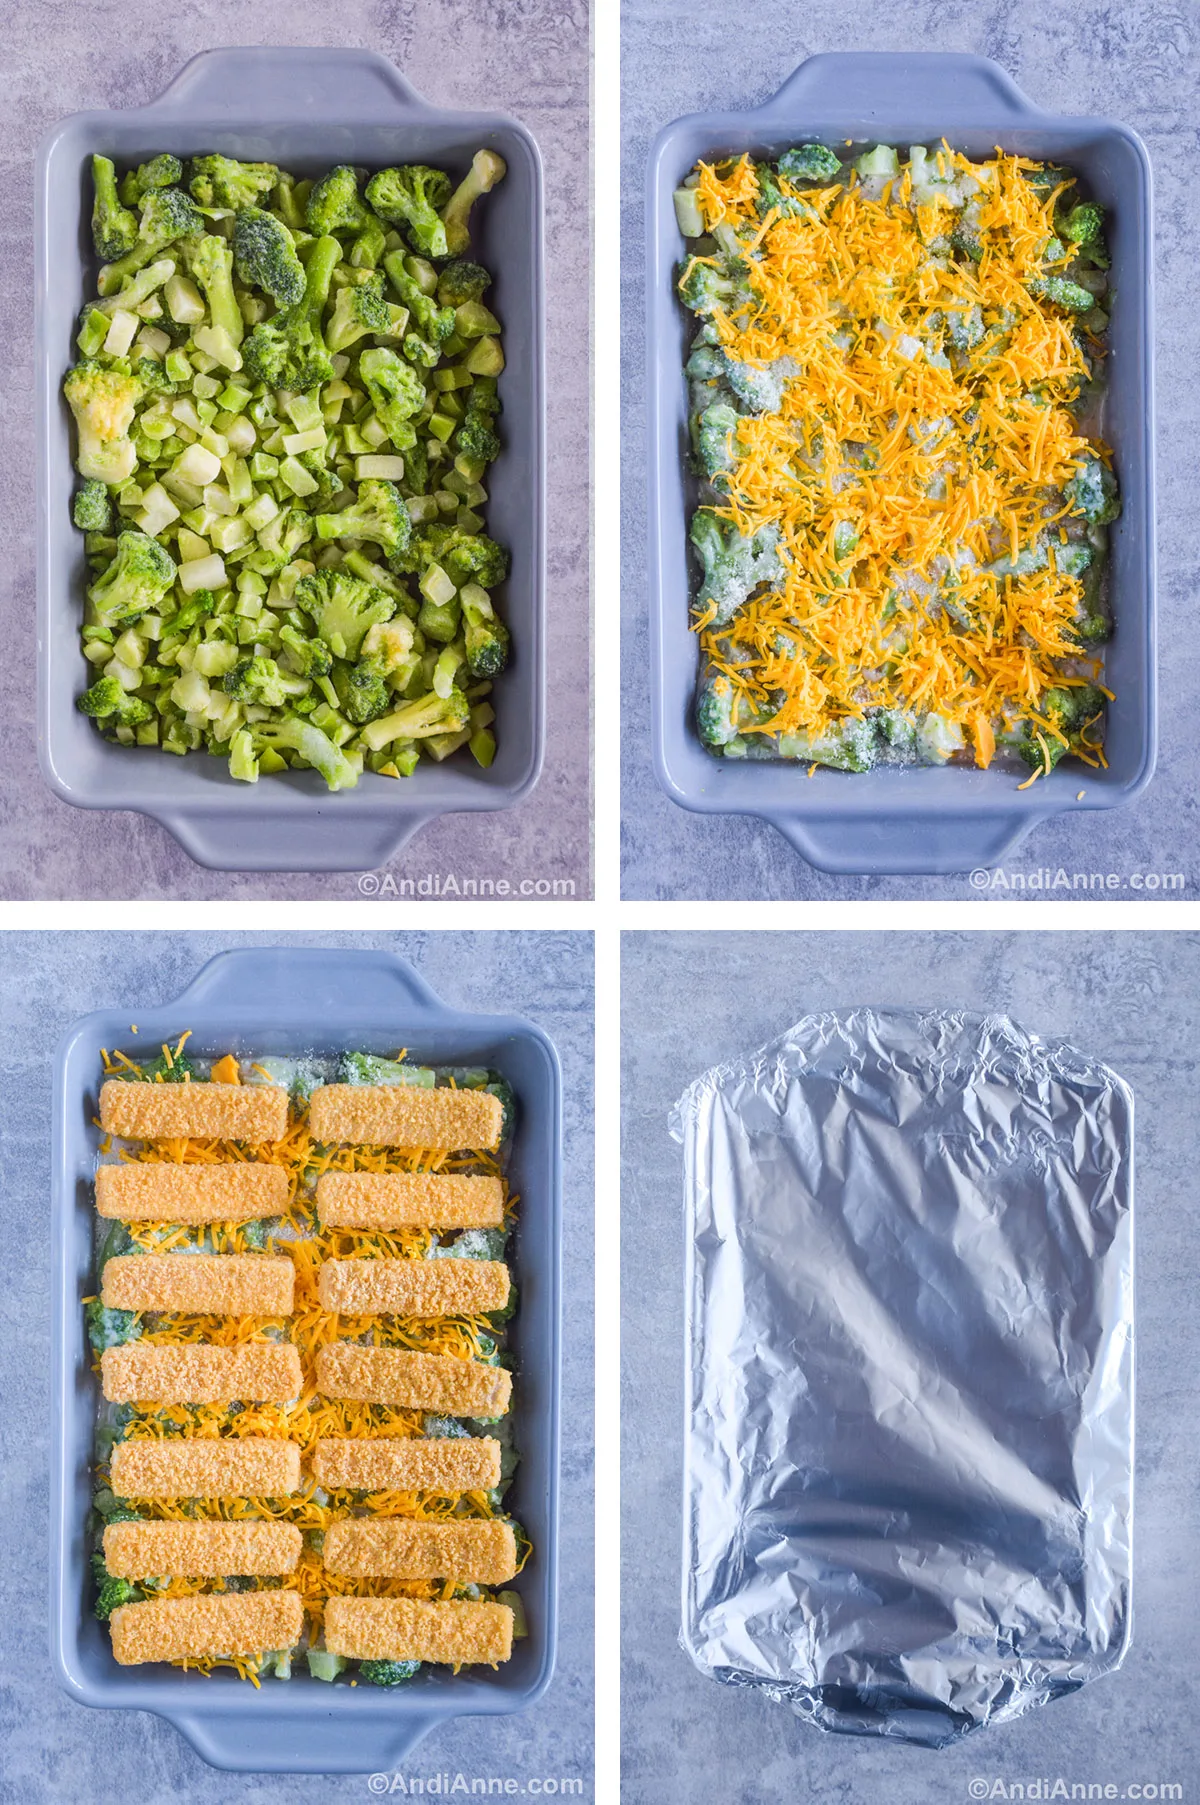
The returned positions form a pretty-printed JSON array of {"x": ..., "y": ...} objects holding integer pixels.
[
  {"x": 135, "y": 582},
  {"x": 115, "y": 1592},
  {"x": 167, "y": 215},
  {"x": 256, "y": 680},
  {"x": 369, "y": 244},
  {"x": 486, "y": 170},
  {"x": 475, "y": 437},
  {"x": 110, "y": 1328},
  {"x": 178, "y": 1069},
  {"x": 333, "y": 204},
  {"x": 392, "y": 643},
  {"x": 716, "y": 709},
  {"x": 289, "y": 350},
  {"x": 224, "y": 182},
  {"x": 163, "y": 171},
  {"x": 211, "y": 263},
  {"x": 357, "y": 309},
  {"x": 473, "y": 557},
  {"x": 1081, "y": 226},
  {"x": 420, "y": 719},
  {"x": 1067, "y": 713},
  {"x": 114, "y": 227},
  {"x": 369, "y": 1068},
  {"x": 964, "y": 327},
  {"x": 387, "y": 1673},
  {"x": 716, "y": 436},
  {"x": 413, "y": 194},
  {"x": 311, "y": 657},
  {"x": 131, "y": 295},
  {"x": 322, "y": 1665},
  {"x": 362, "y": 690},
  {"x": 294, "y": 734},
  {"x": 107, "y": 701},
  {"x": 462, "y": 281},
  {"x": 264, "y": 255},
  {"x": 377, "y": 514},
  {"x": 91, "y": 509},
  {"x": 1092, "y": 492},
  {"x": 966, "y": 241},
  {"x": 709, "y": 287},
  {"x": 809, "y": 163},
  {"x": 486, "y": 636},
  {"x": 103, "y": 403},
  {"x": 197, "y": 607},
  {"x": 733, "y": 566},
  {"x": 152, "y": 374},
  {"x": 397, "y": 393},
  {"x": 343, "y": 608},
  {"x": 760, "y": 390},
  {"x": 1062, "y": 292},
  {"x": 436, "y": 323}
]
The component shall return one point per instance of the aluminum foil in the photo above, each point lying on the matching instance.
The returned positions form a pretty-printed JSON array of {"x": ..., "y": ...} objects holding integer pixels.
[{"x": 910, "y": 1342}]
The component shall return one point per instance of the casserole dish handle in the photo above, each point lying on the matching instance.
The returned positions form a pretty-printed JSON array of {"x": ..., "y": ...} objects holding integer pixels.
[
  {"x": 930, "y": 845},
  {"x": 317, "y": 1743},
  {"x": 269, "y": 978},
  {"x": 958, "y": 88},
  {"x": 321, "y": 841},
  {"x": 327, "y": 82}
]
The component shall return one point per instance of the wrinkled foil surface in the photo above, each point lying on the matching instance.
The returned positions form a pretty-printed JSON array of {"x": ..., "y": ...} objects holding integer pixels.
[{"x": 910, "y": 1338}]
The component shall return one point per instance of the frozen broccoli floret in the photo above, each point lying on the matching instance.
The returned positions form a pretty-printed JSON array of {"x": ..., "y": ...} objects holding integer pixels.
[
  {"x": 363, "y": 691},
  {"x": 809, "y": 163},
  {"x": 115, "y": 1592},
  {"x": 734, "y": 566},
  {"x": 486, "y": 170},
  {"x": 257, "y": 680},
  {"x": 224, "y": 182},
  {"x": 211, "y": 263},
  {"x": 485, "y": 634},
  {"x": 462, "y": 281},
  {"x": 377, "y": 513},
  {"x": 334, "y": 205},
  {"x": 163, "y": 171},
  {"x": 388, "y": 1673},
  {"x": 719, "y": 285},
  {"x": 358, "y": 309},
  {"x": 135, "y": 582},
  {"x": 434, "y": 322},
  {"x": 311, "y": 657},
  {"x": 114, "y": 227},
  {"x": 294, "y": 734},
  {"x": 264, "y": 255},
  {"x": 760, "y": 390},
  {"x": 110, "y": 1328},
  {"x": 289, "y": 351},
  {"x": 1062, "y": 292},
  {"x": 1092, "y": 492},
  {"x": 106, "y": 701},
  {"x": 167, "y": 216},
  {"x": 1065, "y": 714},
  {"x": 397, "y": 393},
  {"x": 414, "y": 195},
  {"x": 343, "y": 608},
  {"x": 716, "y": 440},
  {"x": 91, "y": 509},
  {"x": 103, "y": 403}
]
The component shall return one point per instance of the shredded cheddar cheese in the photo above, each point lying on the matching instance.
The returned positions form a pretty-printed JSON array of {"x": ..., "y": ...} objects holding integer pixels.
[{"x": 914, "y": 450}]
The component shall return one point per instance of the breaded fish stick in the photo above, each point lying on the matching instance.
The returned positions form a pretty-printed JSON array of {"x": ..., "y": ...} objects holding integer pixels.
[
  {"x": 202, "y": 1549},
  {"x": 208, "y": 1467},
  {"x": 435, "y": 1382},
  {"x": 160, "y": 1191},
  {"x": 413, "y": 1287},
  {"x": 218, "y": 1284},
  {"x": 405, "y": 1115},
  {"x": 477, "y": 1551},
  {"x": 227, "y": 1623},
  {"x": 227, "y": 1112},
  {"x": 408, "y": 1629},
  {"x": 261, "y": 1372},
  {"x": 409, "y": 1200},
  {"x": 389, "y": 1463}
]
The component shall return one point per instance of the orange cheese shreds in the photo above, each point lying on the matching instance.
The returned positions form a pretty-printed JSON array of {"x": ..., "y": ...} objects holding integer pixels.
[{"x": 939, "y": 465}]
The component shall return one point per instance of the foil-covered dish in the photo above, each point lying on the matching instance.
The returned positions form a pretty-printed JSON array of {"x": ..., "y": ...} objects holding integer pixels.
[{"x": 908, "y": 1468}]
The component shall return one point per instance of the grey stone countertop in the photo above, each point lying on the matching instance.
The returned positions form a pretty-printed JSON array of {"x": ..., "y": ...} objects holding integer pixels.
[
  {"x": 529, "y": 58},
  {"x": 1130, "y": 60},
  {"x": 1132, "y": 1000},
  {"x": 55, "y": 1752}
]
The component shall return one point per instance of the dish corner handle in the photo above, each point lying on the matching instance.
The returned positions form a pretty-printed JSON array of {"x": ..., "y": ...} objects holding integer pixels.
[
  {"x": 325, "y": 80},
  {"x": 319, "y": 1743},
  {"x": 886, "y": 85},
  {"x": 925, "y": 846}
]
